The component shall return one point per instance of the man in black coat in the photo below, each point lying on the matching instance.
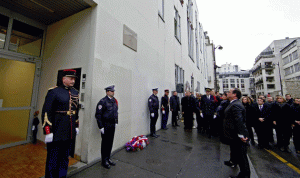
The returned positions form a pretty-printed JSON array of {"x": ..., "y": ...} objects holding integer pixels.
[
  {"x": 263, "y": 123},
  {"x": 165, "y": 108},
  {"x": 296, "y": 128},
  {"x": 236, "y": 132},
  {"x": 188, "y": 108},
  {"x": 289, "y": 99},
  {"x": 107, "y": 120},
  {"x": 153, "y": 104},
  {"x": 208, "y": 111},
  {"x": 175, "y": 108},
  {"x": 60, "y": 124}
]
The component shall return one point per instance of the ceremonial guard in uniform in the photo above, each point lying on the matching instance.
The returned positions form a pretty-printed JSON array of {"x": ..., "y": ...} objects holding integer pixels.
[
  {"x": 165, "y": 109},
  {"x": 60, "y": 124},
  {"x": 208, "y": 111},
  {"x": 153, "y": 104},
  {"x": 107, "y": 120}
]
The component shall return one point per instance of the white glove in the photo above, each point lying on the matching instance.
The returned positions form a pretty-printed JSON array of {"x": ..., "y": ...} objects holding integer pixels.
[
  {"x": 77, "y": 131},
  {"x": 49, "y": 138},
  {"x": 164, "y": 112},
  {"x": 33, "y": 127},
  {"x": 215, "y": 116},
  {"x": 102, "y": 130},
  {"x": 152, "y": 114},
  {"x": 201, "y": 114}
]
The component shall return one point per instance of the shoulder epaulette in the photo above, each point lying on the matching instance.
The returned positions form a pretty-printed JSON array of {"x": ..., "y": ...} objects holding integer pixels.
[{"x": 52, "y": 88}]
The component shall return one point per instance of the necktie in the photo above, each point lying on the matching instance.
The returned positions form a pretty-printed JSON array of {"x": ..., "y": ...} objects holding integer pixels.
[{"x": 260, "y": 107}]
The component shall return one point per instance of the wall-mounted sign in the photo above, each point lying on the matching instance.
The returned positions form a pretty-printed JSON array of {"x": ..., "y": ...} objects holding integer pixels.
[{"x": 129, "y": 38}]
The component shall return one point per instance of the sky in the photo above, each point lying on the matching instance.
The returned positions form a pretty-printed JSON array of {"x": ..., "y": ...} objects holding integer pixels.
[{"x": 246, "y": 28}]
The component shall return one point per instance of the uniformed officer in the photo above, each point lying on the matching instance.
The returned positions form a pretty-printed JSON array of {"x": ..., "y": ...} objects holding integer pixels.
[
  {"x": 153, "y": 104},
  {"x": 107, "y": 120},
  {"x": 165, "y": 102},
  {"x": 60, "y": 124}
]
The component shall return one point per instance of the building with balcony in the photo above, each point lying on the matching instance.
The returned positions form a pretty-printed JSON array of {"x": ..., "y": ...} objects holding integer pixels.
[{"x": 267, "y": 68}]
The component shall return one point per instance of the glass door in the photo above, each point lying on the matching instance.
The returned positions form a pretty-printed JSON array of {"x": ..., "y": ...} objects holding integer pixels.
[{"x": 16, "y": 90}]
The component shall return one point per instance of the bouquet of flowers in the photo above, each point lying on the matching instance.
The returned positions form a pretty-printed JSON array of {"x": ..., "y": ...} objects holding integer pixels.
[{"x": 137, "y": 143}]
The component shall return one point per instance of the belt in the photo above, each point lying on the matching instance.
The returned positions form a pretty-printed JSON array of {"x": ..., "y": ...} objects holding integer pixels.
[{"x": 69, "y": 113}]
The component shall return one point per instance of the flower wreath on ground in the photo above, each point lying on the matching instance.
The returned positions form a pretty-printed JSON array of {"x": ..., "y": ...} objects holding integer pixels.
[{"x": 137, "y": 143}]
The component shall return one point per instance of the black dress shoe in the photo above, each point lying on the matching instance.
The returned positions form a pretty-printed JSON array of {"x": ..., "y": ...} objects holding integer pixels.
[
  {"x": 106, "y": 164},
  {"x": 229, "y": 163},
  {"x": 111, "y": 162}
]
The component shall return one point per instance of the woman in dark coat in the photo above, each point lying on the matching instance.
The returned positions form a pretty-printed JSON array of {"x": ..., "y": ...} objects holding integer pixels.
[
  {"x": 250, "y": 117},
  {"x": 283, "y": 121}
]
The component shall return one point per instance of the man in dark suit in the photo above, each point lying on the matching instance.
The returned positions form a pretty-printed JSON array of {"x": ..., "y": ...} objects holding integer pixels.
[
  {"x": 263, "y": 123},
  {"x": 174, "y": 104},
  {"x": 208, "y": 111},
  {"x": 236, "y": 133},
  {"x": 188, "y": 108},
  {"x": 289, "y": 99}
]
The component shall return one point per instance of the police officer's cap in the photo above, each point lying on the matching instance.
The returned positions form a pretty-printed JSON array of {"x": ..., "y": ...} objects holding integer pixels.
[
  {"x": 154, "y": 89},
  {"x": 166, "y": 90},
  {"x": 110, "y": 88},
  {"x": 69, "y": 73},
  {"x": 207, "y": 89}
]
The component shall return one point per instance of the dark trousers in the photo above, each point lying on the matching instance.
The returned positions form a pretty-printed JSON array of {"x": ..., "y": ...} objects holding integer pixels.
[
  {"x": 164, "y": 119},
  {"x": 296, "y": 137},
  {"x": 174, "y": 117},
  {"x": 208, "y": 120},
  {"x": 188, "y": 120},
  {"x": 263, "y": 135},
  {"x": 238, "y": 155},
  {"x": 58, "y": 159},
  {"x": 250, "y": 131},
  {"x": 283, "y": 134},
  {"x": 34, "y": 133},
  {"x": 107, "y": 141},
  {"x": 153, "y": 123}
]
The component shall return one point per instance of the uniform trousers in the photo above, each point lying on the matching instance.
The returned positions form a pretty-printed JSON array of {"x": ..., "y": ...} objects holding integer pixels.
[
  {"x": 208, "y": 120},
  {"x": 107, "y": 140},
  {"x": 153, "y": 123},
  {"x": 296, "y": 137},
  {"x": 164, "y": 119},
  {"x": 283, "y": 134},
  {"x": 174, "y": 117},
  {"x": 58, "y": 158},
  {"x": 263, "y": 136},
  {"x": 238, "y": 155}
]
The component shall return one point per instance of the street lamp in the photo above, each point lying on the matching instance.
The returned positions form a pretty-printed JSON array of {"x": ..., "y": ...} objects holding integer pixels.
[
  {"x": 279, "y": 76},
  {"x": 215, "y": 66}
]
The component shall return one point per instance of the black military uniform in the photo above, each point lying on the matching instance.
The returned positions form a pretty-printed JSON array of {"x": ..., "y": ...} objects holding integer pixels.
[
  {"x": 166, "y": 108},
  {"x": 296, "y": 130},
  {"x": 107, "y": 118},
  {"x": 153, "y": 104},
  {"x": 35, "y": 124},
  {"x": 60, "y": 118}
]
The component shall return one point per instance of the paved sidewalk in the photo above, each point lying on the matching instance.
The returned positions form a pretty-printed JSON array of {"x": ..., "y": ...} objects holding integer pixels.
[{"x": 175, "y": 153}]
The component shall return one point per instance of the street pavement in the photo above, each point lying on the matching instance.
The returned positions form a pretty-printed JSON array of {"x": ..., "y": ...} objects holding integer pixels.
[{"x": 176, "y": 153}]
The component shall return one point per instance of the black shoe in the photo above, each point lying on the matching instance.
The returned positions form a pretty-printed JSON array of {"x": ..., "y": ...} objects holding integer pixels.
[
  {"x": 229, "y": 163},
  {"x": 152, "y": 135},
  {"x": 106, "y": 164},
  {"x": 282, "y": 149},
  {"x": 111, "y": 162}
]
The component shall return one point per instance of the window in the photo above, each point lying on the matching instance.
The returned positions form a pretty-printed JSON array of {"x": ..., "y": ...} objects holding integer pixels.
[
  {"x": 286, "y": 60},
  {"x": 197, "y": 42},
  {"x": 225, "y": 85},
  {"x": 200, "y": 36},
  {"x": 242, "y": 80},
  {"x": 238, "y": 85},
  {"x": 243, "y": 90},
  {"x": 231, "y": 80},
  {"x": 297, "y": 67},
  {"x": 25, "y": 39},
  {"x": 237, "y": 81},
  {"x": 242, "y": 85},
  {"x": 295, "y": 55},
  {"x": 270, "y": 86},
  {"x": 3, "y": 29},
  {"x": 291, "y": 57},
  {"x": 161, "y": 8},
  {"x": 177, "y": 26},
  {"x": 190, "y": 29},
  {"x": 232, "y": 85},
  {"x": 179, "y": 75},
  {"x": 226, "y": 81}
]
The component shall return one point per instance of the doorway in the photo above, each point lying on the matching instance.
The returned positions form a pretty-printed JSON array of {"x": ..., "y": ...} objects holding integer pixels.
[{"x": 16, "y": 92}]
